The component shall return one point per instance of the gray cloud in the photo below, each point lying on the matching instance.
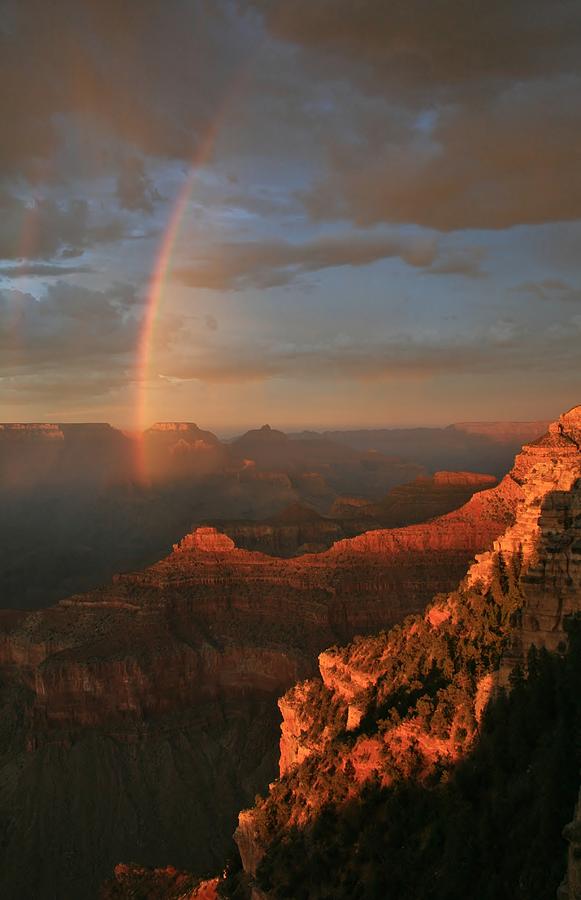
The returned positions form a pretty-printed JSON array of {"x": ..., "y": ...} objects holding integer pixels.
[
  {"x": 425, "y": 48},
  {"x": 135, "y": 189},
  {"x": 69, "y": 324},
  {"x": 506, "y": 160},
  {"x": 71, "y": 385},
  {"x": 152, "y": 73},
  {"x": 498, "y": 347},
  {"x": 42, "y": 228},
  {"x": 447, "y": 115},
  {"x": 272, "y": 263},
  {"x": 549, "y": 290},
  {"x": 465, "y": 261},
  {"x": 41, "y": 270}
]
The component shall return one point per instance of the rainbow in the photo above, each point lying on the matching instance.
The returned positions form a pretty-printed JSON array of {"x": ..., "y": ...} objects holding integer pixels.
[
  {"x": 160, "y": 271},
  {"x": 164, "y": 257},
  {"x": 156, "y": 290}
]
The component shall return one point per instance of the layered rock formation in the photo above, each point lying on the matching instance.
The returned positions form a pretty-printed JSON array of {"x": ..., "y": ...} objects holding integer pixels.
[
  {"x": 119, "y": 703},
  {"x": 178, "y": 450},
  {"x": 409, "y": 704},
  {"x": 296, "y": 530},
  {"x": 301, "y": 529},
  {"x": 41, "y": 454}
]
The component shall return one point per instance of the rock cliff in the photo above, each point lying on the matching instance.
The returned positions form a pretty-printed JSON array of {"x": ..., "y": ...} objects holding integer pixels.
[{"x": 411, "y": 703}]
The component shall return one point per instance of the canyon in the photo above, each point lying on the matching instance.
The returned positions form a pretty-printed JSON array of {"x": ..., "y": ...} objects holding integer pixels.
[
  {"x": 300, "y": 529},
  {"x": 397, "y": 714},
  {"x": 84, "y": 502},
  {"x": 138, "y": 718}
]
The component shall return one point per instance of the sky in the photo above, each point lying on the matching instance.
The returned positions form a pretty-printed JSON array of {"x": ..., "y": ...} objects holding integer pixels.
[{"x": 317, "y": 214}]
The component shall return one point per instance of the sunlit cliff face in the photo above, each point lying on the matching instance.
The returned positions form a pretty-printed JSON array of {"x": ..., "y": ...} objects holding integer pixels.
[{"x": 246, "y": 212}]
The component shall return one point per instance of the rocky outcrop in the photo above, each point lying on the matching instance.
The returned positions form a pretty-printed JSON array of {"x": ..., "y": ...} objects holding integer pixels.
[
  {"x": 177, "y": 450},
  {"x": 189, "y": 429},
  {"x": 463, "y": 479},
  {"x": 31, "y": 431},
  {"x": 545, "y": 484},
  {"x": 132, "y": 881},
  {"x": 516, "y": 595},
  {"x": 546, "y": 538},
  {"x": 206, "y": 539},
  {"x": 296, "y": 530},
  {"x": 300, "y": 529}
]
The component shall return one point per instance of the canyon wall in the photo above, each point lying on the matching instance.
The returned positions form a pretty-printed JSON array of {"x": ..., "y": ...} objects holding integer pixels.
[
  {"x": 410, "y": 702},
  {"x": 300, "y": 529}
]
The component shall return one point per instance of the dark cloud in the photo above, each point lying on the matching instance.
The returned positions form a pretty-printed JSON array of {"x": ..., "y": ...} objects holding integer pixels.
[
  {"x": 135, "y": 189},
  {"x": 41, "y": 270},
  {"x": 42, "y": 228},
  {"x": 427, "y": 47},
  {"x": 72, "y": 343},
  {"x": 509, "y": 160},
  {"x": 267, "y": 264},
  {"x": 450, "y": 115},
  {"x": 151, "y": 72},
  {"x": 445, "y": 116},
  {"x": 69, "y": 324},
  {"x": 484, "y": 97}
]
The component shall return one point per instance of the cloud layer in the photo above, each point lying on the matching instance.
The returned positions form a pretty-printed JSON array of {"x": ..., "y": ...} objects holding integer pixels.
[{"x": 327, "y": 158}]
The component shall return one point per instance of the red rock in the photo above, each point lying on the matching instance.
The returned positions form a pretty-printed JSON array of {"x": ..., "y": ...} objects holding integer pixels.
[
  {"x": 131, "y": 881},
  {"x": 545, "y": 538}
]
